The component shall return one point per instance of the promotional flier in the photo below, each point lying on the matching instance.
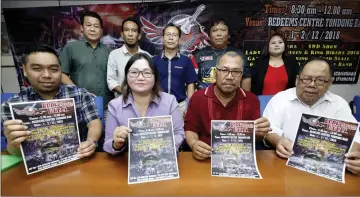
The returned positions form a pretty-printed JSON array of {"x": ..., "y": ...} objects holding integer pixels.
[
  {"x": 54, "y": 138},
  {"x": 233, "y": 144},
  {"x": 320, "y": 146},
  {"x": 152, "y": 152}
]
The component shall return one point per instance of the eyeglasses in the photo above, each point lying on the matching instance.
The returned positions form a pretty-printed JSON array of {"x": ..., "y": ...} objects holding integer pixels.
[
  {"x": 318, "y": 82},
  {"x": 171, "y": 35},
  {"x": 234, "y": 73},
  {"x": 136, "y": 73}
]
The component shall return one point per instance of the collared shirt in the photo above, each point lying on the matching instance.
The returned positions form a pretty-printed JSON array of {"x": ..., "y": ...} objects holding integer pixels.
[
  {"x": 87, "y": 67},
  {"x": 118, "y": 59},
  {"x": 204, "y": 106},
  {"x": 85, "y": 107},
  {"x": 175, "y": 74},
  {"x": 206, "y": 60},
  {"x": 284, "y": 112},
  {"x": 120, "y": 111}
]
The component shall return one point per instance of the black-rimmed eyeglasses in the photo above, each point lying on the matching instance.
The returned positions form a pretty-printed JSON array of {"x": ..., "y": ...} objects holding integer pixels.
[
  {"x": 318, "y": 82},
  {"x": 235, "y": 73},
  {"x": 136, "y": 73}
]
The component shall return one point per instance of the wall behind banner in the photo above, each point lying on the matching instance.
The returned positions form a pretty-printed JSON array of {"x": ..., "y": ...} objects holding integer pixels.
[{"x": 250, "y": 24}]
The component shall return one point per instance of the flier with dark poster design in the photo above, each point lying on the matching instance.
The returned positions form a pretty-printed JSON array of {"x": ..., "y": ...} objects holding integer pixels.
[
  {"x": 233, "y": 144},
  {"x": 54, "y": 138},
  {"x": 320, "y": 146},
  {"x": 152, "y": 152}
]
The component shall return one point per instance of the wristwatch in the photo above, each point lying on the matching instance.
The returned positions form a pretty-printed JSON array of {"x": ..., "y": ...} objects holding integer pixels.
[{"x": 264, "y": 140}]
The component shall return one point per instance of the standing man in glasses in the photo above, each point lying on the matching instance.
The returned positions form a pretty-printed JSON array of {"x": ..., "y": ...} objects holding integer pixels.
[
  {"x": 310, "y": 96},
  {"x": 176, "y": 71},
  {"x": 223, "y": 100}
]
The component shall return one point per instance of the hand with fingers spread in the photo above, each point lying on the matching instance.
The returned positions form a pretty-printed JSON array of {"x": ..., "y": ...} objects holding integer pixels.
[
  {"x": 352, "y": 162},
  {"x": 120, "y": 135},
  {"x": 284, "y": 148},
  {"x": 200, "y": 150},
  {"x": 262, "y": 125},
  {"x": 15, "y": 133}
]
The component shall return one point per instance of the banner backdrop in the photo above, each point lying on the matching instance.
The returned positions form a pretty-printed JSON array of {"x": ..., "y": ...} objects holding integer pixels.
[{"x": 312, "y": 28}]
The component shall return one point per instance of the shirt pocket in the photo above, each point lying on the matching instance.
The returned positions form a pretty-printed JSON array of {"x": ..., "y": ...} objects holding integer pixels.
[{"x": 178, "y": 72}]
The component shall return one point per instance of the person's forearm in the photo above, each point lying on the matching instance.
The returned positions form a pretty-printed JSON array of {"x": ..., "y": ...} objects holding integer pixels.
[
  {"x": 117, "y": 89},
  {"x": 273, "y": 139},
  {"x": 191, "y": 137},
  {"x": 13, "y": 150},
  {"x": 66, "y": 79},
  {"x": 190, "y": 90},
  {"x": 246, "y": 84},
  {"x": 94, "y": 130},
  {"x": 355, "y": 147}
]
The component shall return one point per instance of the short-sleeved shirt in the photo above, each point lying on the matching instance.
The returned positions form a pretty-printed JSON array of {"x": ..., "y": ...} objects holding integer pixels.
[
  {"x": 117, "y": 61},
  {"x": 284, "y": 112},
  {"x": 85, "y": 107},
  {"x": 175, "y": 74},
  {"x": 87, "y": 67},
  {"x": 206, "y": 60},
  {"x": 204, "y": 106}
]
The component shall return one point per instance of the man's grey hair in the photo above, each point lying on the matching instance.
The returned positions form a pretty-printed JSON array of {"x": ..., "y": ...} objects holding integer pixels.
[{"x": 229, "y": 54}]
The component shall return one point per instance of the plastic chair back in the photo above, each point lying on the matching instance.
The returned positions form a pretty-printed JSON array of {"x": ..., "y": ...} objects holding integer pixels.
[{"x": 264, "y": 99}]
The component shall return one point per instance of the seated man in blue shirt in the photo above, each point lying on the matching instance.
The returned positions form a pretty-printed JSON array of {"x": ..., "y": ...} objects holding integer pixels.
[
  {"x": 42, "y": 69},
  {"x": 177, "y": 73}
]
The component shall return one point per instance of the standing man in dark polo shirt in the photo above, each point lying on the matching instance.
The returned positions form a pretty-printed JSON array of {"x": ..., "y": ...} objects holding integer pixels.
[
  {"x": 86, "y": 60},
  {"x": 206, "y": 58},
  {"x": 224, "y": 100},
  {"x": 177, "y": 73}
]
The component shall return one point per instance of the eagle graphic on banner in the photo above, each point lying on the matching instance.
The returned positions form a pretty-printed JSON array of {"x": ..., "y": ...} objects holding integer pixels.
[{"x": 193, "y": 34}]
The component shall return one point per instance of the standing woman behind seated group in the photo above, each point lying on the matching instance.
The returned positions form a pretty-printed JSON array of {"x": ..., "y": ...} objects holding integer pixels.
[
  {"x": 141, "y": 97},
  {"x": 274, "y": 71}
]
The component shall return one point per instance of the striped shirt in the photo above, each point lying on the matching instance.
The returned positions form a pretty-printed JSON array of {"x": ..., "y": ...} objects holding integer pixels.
[{"x": 85, "y": 107}]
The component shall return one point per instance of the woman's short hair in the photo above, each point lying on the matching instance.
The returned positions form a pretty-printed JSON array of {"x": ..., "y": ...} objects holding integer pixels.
[
  {"x": 125, "y": 89},
  {"x": 265, "y": 51}
]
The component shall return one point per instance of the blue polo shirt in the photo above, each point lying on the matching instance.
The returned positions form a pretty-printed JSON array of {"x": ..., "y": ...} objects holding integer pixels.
[{"x": 175, "y": 74}]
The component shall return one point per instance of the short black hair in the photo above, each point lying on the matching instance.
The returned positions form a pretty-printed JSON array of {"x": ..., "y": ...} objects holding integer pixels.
[
  {"x": 171, "y": 25},
  {"x": 132, "y": 19},
  {"x": 215, "y": 22},
  {"x": 313, "y": 58},
  {"x": 39, "y": 47},
  {"x": 91, "y": 14}
]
